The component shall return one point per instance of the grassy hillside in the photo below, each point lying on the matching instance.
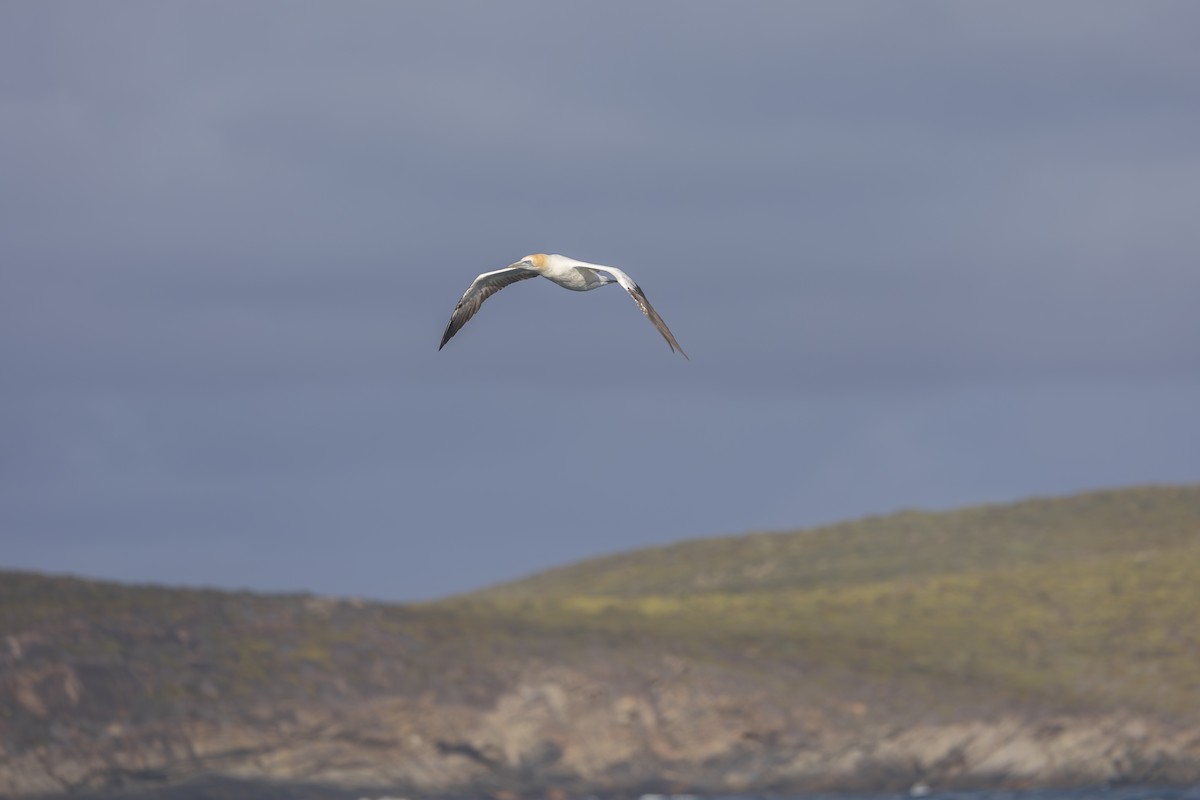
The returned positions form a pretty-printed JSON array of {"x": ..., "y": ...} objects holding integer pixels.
[
  {"x": 94, "y": 652},
  {"x": 1087, "y": 602},
  {"x": 909, "y": 544}
]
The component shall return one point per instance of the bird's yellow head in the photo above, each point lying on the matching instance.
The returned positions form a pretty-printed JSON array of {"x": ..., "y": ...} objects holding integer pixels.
[{"x": 536, "y": 261}]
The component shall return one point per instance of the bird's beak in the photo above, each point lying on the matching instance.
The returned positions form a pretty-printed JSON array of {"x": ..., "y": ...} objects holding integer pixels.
[{"x": 526, "y": 264}]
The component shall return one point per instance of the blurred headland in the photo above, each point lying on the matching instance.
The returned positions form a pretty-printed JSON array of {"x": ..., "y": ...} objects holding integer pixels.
[{"x": 1047, "y": 642}]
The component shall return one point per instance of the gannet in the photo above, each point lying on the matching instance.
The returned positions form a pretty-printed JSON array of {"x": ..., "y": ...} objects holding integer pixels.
[{"x": 578, "y": 276}]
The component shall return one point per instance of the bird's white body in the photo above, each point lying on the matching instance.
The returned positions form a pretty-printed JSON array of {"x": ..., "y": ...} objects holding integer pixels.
[{"x": 578, "y": 276}]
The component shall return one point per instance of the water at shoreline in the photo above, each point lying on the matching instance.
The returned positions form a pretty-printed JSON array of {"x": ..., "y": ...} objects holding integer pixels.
[{"x": 229, "y": 789}]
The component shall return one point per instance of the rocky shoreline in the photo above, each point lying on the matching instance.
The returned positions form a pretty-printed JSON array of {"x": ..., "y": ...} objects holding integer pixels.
[{"x": 565, "y": 736}]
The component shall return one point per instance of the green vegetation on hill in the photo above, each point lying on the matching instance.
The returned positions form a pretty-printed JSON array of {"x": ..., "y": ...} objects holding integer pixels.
[
  {"x": 906, "y": 545},
  {"x": 1086, "y": 602},
  {"x": 1082, "y": 603},
  {"x": 95, "y": 653}
]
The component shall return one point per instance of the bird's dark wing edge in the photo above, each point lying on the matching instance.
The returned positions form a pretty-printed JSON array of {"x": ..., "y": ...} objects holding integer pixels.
[
  {"x": 639, "y": 297},
  {"x": 483, "y": 287}
]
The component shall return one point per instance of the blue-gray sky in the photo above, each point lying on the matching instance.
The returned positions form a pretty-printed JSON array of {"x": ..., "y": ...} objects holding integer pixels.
[{"x": 921, "y": 255}]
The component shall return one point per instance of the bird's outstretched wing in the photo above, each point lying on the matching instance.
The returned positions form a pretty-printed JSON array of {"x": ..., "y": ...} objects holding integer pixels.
[
  {"x": 639, "y": 297},
  {"x": 481, "y": 289}
]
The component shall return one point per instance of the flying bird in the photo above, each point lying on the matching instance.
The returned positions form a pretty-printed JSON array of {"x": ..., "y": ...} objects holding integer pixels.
[{"x": 578, "y": 276}]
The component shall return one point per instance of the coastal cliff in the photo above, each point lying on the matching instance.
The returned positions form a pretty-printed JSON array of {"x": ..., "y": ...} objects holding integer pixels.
[{"x": 1051, "y": 642}]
